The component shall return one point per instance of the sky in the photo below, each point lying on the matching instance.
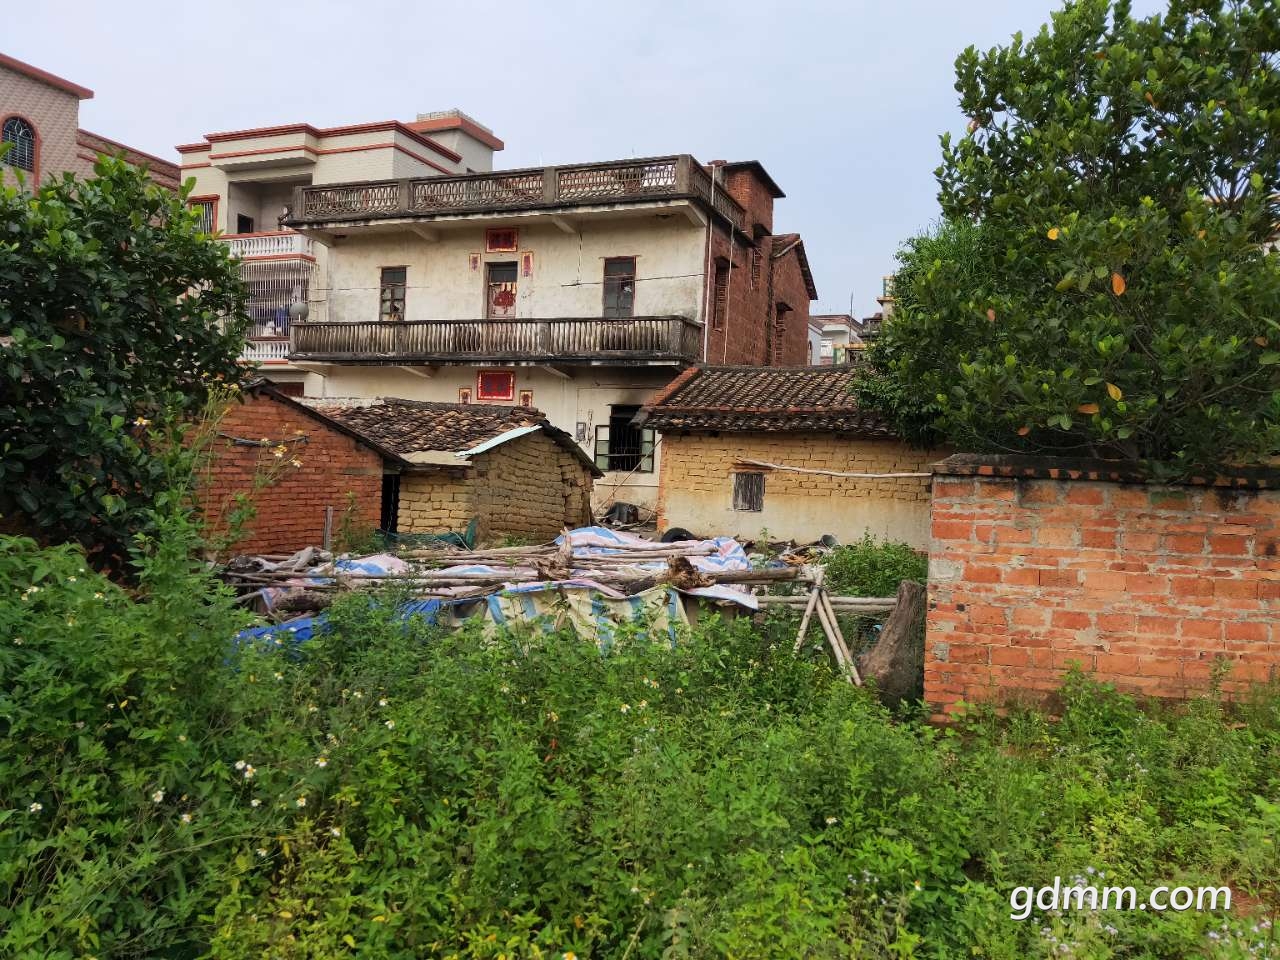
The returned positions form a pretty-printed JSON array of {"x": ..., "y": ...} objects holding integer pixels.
[{"x": 843, "y": 102}]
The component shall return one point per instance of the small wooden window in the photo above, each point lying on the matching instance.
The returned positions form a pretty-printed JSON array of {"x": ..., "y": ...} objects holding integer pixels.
[
  {"x": 720, "y": 307},
  {"x": 748, "y": 492},
  {"x": 619, "y": 287},
  {"x": 500, "y": 298},
  {"x": 495, "y": 385},
  {"x": 391, "y": 289},
  {"x": 755, "y": 269}
]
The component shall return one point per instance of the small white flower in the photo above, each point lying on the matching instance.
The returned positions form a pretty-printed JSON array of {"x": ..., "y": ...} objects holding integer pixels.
[
  {"x": 301, "y": 802},
  {"x": 322, "y": 762},
  {"x": 240, "y": 764},
  {"x": 358, "y": 695},
  {"x": 832, "y": 821},
  {"x": 390, "y": 724},
  {"x": 334, "y": 831},
  {"x": 917, "y": 885},
  {"x": 312, "y": 708},
  {"x": 504, "y": 689},
  {"x": 17, "y": 641},
  {"x": 625, "y": 708},
  {"x": 99, "y": 595},
  {"x": 255, "y": 802},
  {"x": 185, "y": 818},
  {"x": 279, "y": 675},
  {"x": 262, "y": 852},
  {"x": 249, "y": 771},
  {"x": 71, "y": 579},
  {"x": 635, "y": 889},
  {"x": 295, "y": 463},
  {"x": 157, "y": 797},
  {"x": 642, "y": 704},
  {"x": 382, "y": 702},
  {"x": 35, "y": 807},
  {"x": 182, "y": 738}
]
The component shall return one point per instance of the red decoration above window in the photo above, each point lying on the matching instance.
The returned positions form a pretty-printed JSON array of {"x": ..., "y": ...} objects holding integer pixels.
[
  {"x": 501, "y": 241},
  {"x": 496, "y": 385}
]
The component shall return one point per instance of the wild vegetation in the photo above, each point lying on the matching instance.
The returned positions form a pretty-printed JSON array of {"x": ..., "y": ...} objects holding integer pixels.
[
  {"x": 391, "y": 790},
  {"x": 1101, "y": 285}
]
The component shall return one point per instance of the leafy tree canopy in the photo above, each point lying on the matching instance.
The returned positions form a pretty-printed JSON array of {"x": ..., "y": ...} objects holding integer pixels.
[
  {"x": 115, "y": 310},
  {"x": 1101, "y": 284}
]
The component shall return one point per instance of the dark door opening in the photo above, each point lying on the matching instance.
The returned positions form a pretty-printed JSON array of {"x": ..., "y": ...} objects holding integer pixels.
[{"x": 390, "y": 503}]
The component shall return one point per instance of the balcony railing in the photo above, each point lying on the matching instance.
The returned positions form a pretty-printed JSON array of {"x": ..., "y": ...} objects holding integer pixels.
[
  {"x": 266, "y": 350},
  {"x": 283, "y": 243},
  {"x": 637, "y": 340},
  {"x": 623, "y": 181}
]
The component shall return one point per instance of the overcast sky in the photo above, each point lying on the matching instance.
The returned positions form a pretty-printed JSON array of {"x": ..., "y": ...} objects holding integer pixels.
[{"x": 842, "y": 102}]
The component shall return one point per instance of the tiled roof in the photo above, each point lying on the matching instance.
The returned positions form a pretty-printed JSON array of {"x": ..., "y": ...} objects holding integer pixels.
[
  {"x": 764, "y": 399},
  {"x": 783, "y": 243},
  {"x": 413, "y": 429}
]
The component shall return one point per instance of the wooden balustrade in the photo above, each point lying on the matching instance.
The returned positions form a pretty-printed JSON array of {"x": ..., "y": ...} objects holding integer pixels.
[
  {"x": 623, "y": 181},
  {"x": 636, "y": 340}
]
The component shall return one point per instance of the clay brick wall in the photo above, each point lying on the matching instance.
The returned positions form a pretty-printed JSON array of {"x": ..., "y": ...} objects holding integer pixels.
[
  {"x": 696, "y": 486},
  {"x": 290, "y": 510},
  {"x": 1144, "y": 585},
  {"x": 435, "y": 501},
  {"x": 756, "y": 283}
]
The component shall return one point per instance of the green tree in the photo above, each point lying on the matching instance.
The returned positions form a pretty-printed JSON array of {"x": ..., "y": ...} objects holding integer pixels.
[
  {"x": 115, "y": 311},
  {"x": 1101, "y": 284}
]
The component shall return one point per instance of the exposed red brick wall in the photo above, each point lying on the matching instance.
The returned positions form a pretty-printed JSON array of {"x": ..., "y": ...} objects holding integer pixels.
[
  {"x": 291, "y": 510},
  {"x": 1144, "y": 585},
  {"x": 757, "y": 283}
]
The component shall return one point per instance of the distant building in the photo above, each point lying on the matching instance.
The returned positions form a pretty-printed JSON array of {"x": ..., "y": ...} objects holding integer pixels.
[
  {"x": 40, "y": 121},
  {"x": 389, "y": 259},
  {"x": 836, "y": 338}
]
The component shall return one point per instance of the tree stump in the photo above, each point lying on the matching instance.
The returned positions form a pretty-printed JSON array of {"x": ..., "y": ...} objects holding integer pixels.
[{"x": 896, "y": 662}]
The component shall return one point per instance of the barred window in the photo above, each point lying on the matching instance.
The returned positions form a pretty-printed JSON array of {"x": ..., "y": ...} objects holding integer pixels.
[
  {"x": 748, "y": 492},
  {"x": 21, "y": 138}
]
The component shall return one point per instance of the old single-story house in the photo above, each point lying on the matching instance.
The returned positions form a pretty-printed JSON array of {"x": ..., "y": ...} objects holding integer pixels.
[
  {"x": 506, "y": 467},
  {"x": 746, "y": 449}
]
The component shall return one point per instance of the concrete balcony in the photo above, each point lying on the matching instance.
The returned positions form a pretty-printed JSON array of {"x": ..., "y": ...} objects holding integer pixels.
[
  {"x": 566, "y": 189},
  {"x": 636, "y": 341},
  {"x": 276, "y": 245}
]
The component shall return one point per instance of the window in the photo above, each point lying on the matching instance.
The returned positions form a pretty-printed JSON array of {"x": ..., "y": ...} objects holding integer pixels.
[
  {"x": 294, "y": 389},
  {"x": 619, "y": 287},
  {"x": 207, "y": 209},
  {"x": 21, "y": 137},
  {"x": 748, "y": 492},
  {"x": 464, "y": 394},
  {"x": 495, "y": 385},
  {"x": 500, "y": 296},
  {"x": 755, "y": 268},
  {"x": 391, "y": 293},
  {"x": 389, "y": 517},
  {"x": 244, "y": 224},
  {"x": 622, "y": 446},
  {"x": 720, "y": 308},
  {"x": 779, "y": 332}
]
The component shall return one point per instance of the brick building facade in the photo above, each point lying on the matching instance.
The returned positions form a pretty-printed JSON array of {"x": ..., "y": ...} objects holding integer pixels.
[
  {"x": 1036, "y": 566},
  {"x": 40, "y": 117}
]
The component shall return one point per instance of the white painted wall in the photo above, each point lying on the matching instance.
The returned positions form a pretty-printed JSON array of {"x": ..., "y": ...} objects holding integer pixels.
[{"x": 567, "y": 269}]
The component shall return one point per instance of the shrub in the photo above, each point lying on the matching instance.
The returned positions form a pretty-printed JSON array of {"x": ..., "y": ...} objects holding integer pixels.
[{"x": 873, "y": 568}]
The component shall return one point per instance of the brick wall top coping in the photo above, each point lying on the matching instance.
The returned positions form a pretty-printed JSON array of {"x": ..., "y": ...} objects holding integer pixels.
[{"x": 1114, "y": 471}]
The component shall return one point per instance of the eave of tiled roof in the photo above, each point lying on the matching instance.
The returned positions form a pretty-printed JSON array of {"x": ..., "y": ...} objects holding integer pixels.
[{"x": 764, "y": 399}]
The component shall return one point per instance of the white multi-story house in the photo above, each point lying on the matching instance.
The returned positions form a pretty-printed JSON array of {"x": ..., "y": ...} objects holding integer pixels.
[{"x": 390, "y": 260}]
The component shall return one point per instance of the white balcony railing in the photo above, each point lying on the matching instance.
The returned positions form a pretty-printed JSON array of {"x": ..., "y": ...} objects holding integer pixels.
[
  {"x": 283, "y": 243},
  {"x": 266, "y": 350}
]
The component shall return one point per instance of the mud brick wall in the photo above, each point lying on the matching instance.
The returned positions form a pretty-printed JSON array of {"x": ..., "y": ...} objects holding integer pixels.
[
  {"x": 1034, "y": 566},
  {"x": 696, "y": 486},
  {"x": 528, "y": 487},
  {"x": 337, "y": 471},
  {"x": 531, "y": 487}
]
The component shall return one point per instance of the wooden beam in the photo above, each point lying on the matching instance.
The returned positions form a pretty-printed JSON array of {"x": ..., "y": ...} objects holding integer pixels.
[
  {"x": 560, "y": 372},
  {"x": 425, "y": 371},
  {"x": 431, "y": 236},
  {"x": 565, "y": 224}
]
